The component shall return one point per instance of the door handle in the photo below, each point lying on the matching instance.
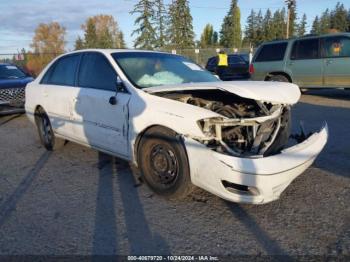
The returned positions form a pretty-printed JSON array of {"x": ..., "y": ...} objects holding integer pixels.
[
  {"x": 329, "y": 62},
  {"x": 291, "y": 63}
]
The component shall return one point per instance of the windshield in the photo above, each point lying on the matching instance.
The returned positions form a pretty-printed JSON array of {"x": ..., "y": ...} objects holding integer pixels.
[
  {"x": 10, "y": 72},
  {"x": 157, "y": 69}
]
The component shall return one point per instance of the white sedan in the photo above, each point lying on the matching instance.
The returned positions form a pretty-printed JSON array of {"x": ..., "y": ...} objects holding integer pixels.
[{"x": 177, "y": 122}]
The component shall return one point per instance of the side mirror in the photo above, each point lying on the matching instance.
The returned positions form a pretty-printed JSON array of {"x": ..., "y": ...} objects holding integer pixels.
[{"x": 120, "y": 87}]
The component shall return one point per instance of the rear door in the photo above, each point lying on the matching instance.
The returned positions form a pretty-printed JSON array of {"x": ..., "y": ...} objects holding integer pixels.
[
  {"x": 237, "y": 66},
  {"x": 336, "y": 61},
  {"x": 99, "y": 123},
  {"x": 305, "y": 63},
  {"x": 58, "y": 92}
]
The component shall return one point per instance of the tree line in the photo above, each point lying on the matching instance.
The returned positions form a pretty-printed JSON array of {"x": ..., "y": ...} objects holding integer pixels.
[{"x": 158, "y": 26}]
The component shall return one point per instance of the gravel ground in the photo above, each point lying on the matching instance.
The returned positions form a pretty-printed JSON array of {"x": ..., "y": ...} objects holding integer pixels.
[{"x": 76, "y": 201}]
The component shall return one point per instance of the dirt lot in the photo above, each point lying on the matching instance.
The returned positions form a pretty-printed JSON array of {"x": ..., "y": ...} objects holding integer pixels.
[{"x": 77, "y": 201}]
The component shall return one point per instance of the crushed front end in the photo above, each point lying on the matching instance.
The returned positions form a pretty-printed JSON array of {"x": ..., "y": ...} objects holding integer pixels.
[{"x": 243, "y": 155}]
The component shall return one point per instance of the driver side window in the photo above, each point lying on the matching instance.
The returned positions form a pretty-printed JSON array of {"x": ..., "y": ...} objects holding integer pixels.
[{"x": 96, "y": 72}]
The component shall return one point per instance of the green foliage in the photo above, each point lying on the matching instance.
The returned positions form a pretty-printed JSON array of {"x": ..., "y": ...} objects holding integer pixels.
[
  {"x": 293, "y": 21},
  {"x": 160, "y": 23},
  {"x": 79, "y": 43},
  {"x": 146, "y": 33},
  {"x": 207, "y": 36},
  {"x": 325, "y": 22},
  {"x": 180, "y": 31},
  {"x": 215, "y": 40},
  {"x": 337, "y": 20},
  {"x": 266, "y": 27},
  {"x": 121, "y": 42},
  {"x": 100, "y": 31},
  {"x": 90, "y": 36},
  {"x": 316, "y": 26},
  {"x": 231, "y": 34},
  {"x": 302, "y": 26}
]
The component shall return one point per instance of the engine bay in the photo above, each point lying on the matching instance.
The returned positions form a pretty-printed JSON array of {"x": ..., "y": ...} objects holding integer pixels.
[{"x": 247, "y": 128}]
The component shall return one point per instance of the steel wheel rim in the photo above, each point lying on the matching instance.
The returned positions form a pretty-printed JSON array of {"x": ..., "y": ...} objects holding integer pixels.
[
  {"x": 46, "y": 130},
  {"x": 164, "y": 165}
]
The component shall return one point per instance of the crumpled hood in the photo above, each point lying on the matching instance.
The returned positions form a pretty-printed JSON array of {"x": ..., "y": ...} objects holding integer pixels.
[{"x": 274, "y": 92}]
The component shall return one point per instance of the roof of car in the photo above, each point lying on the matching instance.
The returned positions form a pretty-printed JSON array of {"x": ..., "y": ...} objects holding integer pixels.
[
  {"x": 110, "y": 51},
  {"x": 305, "y": 37}
]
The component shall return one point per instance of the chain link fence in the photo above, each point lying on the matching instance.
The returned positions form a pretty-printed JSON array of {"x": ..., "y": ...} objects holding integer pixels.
[{"x": 33, "y": 63}]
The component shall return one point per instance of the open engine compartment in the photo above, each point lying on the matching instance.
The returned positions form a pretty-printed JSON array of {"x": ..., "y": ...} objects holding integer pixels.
[{"x": 247, "y": 128}]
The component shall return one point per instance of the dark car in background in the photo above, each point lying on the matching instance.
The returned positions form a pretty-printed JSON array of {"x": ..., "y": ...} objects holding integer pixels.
[
  {"x": 238, "y": 67},
  {"x": 12, "y": 84}
]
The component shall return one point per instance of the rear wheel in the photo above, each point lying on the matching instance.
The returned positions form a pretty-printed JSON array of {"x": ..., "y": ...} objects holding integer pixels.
[
  {"x": 163, "y": 163},
  {"x": 46, "y": 134},
  {"x": 278, "y": 78}
]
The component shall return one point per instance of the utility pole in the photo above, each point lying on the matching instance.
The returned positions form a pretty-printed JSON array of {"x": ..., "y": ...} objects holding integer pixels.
[{"x": 290, "y": 5}]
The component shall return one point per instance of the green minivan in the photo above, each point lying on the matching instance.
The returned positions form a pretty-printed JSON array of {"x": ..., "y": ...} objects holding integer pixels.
[{"x": 310, "y": 61}]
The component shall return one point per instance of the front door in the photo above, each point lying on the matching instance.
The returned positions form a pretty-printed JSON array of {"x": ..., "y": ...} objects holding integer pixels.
[
  {"x": 98, "y": 122},
  {"x": 336, "y": 53},
  {"x": 305, "y": 63}
]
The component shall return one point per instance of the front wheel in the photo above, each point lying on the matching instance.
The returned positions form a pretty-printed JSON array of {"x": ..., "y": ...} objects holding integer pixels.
[
  {"x": 163, "y": 162},
  {"x": 46, "y": 134}
]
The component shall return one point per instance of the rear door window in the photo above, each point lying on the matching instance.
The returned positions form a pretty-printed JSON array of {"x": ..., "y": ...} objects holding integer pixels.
[
  {"x": 96, "y": 72},
  {"x": 305, "y": 49},
  {"x": 234, "y": 60},
  {"x": 338, "y": 46},
  {"x": 271, "y": 52},
  {"x": 213, "y": 61},
  {"x": 63, "y": 71}
]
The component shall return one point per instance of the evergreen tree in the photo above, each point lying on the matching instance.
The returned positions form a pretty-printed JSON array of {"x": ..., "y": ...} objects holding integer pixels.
[
  {"x": 207, "y": 36},
  {"x": 316, "y": 27},
  {"x": 325, "y": 22},
  {"x": 160, "y": 26},
  {"x": 292, "y": 21},
  {"x": 90, "y": 36},
  {"x": 146, "y": 32},
  {"x": 259, "y": 29},
  {"x": 215, "y": 38},
  {"x": 282, "y": 23},
  {"x": 267, "y": 28},
  {"x": 279, "y": 24},
  {"x": 339, "y": 18},
  {"x": 79, "y": 43},
  {"x": 105, "y": 40},
  {"x": 121, "y": 43},
  {"x": 302, "y": 26},
  {"x": 230, "y": 34},
  {"x": 180, "y": 32},
  {"x": 100, "y": 31},
  {"x": 250, "y": 30}
]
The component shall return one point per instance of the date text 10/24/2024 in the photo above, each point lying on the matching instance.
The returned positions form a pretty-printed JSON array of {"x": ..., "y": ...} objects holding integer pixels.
[{"x": 172, "y": 258}]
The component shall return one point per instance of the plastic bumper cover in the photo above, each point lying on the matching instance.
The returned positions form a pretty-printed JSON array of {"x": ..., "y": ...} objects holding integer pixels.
[{"x": 268, "y": 176}]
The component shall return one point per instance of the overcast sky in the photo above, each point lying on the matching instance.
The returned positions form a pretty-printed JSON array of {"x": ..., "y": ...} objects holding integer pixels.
[{"x": 19, "y": 18}]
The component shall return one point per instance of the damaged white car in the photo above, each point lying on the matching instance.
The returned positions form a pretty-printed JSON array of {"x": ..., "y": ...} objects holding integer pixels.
[{"x": 178, "y": 123}]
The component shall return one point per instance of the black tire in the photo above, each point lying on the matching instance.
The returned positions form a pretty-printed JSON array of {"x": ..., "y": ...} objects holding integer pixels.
[
  {"x": 278, "y": 78},
  {"x": 46, "y": 134},
  {"x": 163, "y": 162}
]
